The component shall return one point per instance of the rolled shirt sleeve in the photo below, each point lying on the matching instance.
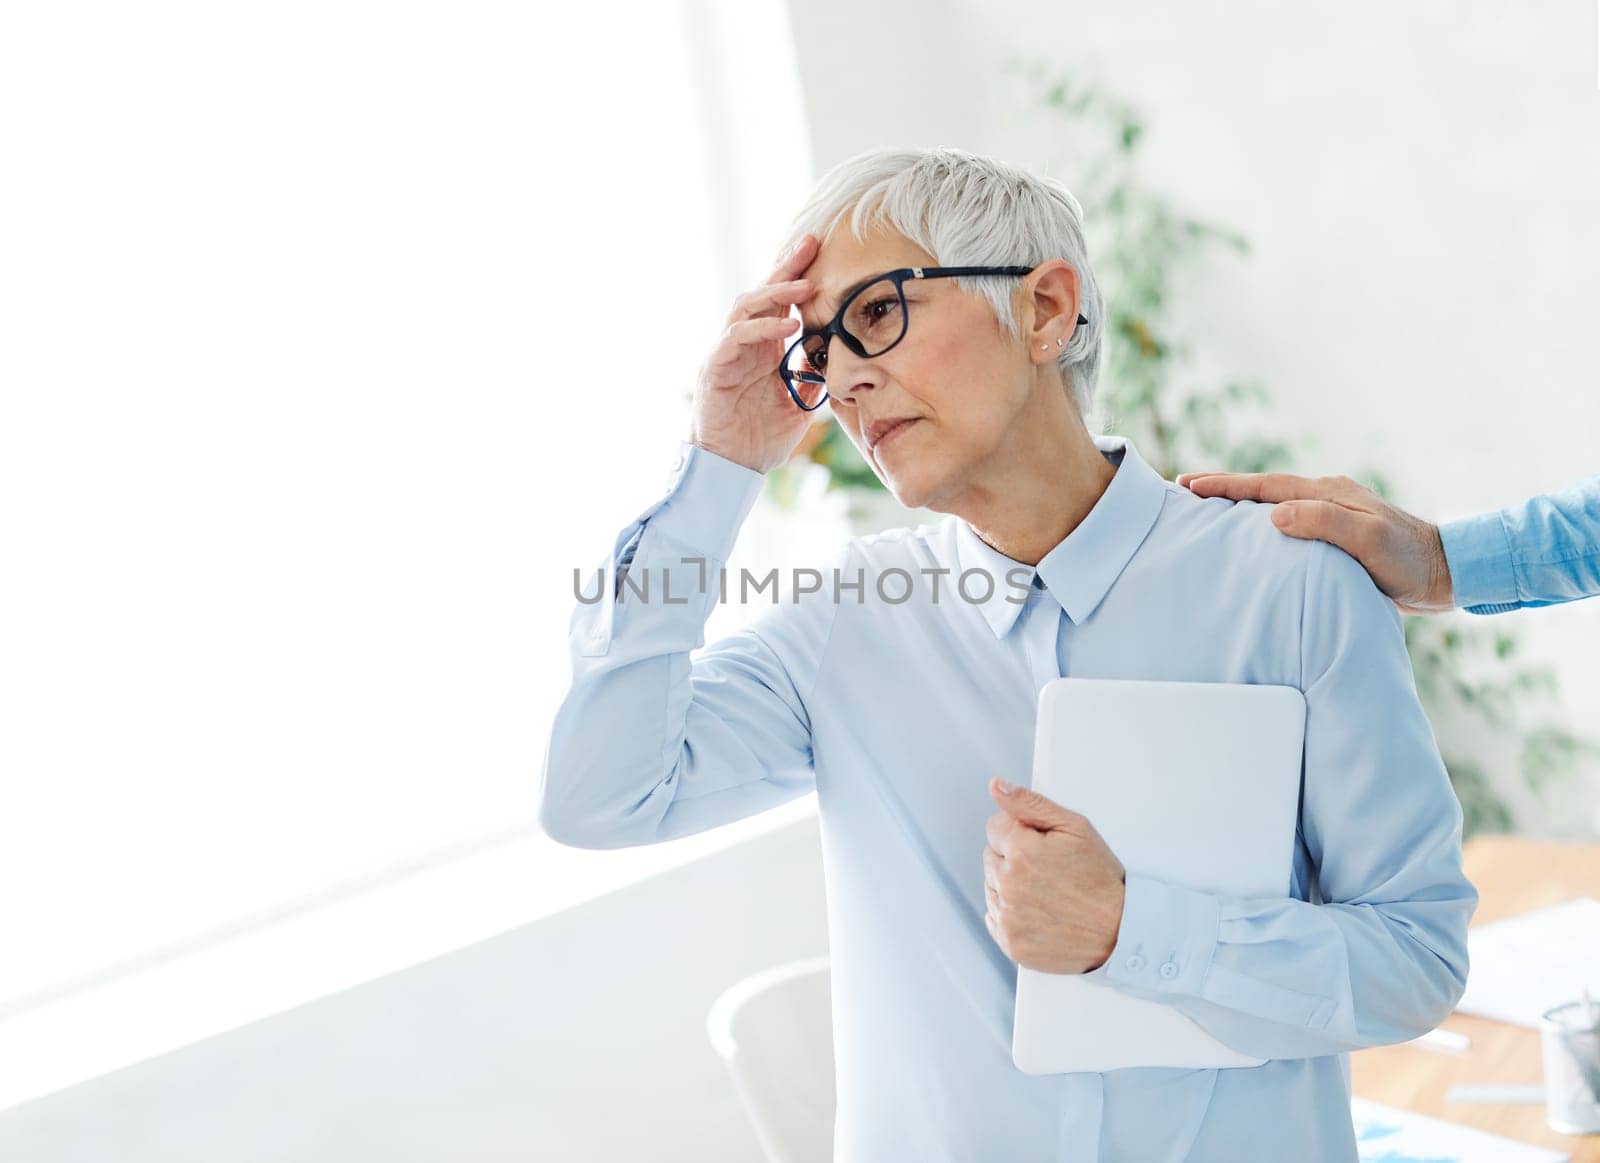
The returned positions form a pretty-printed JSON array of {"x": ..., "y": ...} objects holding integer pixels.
[
  {"x": 650, "y": 744},
  {"x": 1381, "y": 957},
  {"x": 1540, "y": 553}
]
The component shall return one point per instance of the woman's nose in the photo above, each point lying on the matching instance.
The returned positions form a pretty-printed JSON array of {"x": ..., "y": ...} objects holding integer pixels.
[{"x": 853, "y": 374}]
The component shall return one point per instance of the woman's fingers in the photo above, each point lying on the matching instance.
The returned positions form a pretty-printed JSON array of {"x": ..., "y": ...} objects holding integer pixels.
[
  {"x": 746, "y": 344},
  {"x": 794, "y": 260},
  {"x": 762, "y": 327},
  {"x": 742, "y": 409},
  {"x": 769, "y": 298}
]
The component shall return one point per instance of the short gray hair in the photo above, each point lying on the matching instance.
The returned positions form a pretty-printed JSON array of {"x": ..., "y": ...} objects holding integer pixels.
[{"x": 969, "y": 210}]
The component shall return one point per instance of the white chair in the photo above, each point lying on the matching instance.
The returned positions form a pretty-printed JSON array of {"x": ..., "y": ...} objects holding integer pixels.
[{"x": 774, "y": 1030}]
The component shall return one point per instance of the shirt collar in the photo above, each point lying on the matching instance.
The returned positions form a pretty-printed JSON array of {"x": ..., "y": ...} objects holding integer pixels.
[{"x": 1083, "y": 565}]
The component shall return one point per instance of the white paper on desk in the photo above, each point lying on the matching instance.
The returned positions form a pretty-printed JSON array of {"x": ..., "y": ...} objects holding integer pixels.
[
  {"x": 1523, "y": 965},
  {"x": 1389, "y": 1133}
]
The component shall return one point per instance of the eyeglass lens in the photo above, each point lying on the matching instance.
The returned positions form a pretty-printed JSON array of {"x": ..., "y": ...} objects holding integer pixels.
[{"x": 875, "y": 318}]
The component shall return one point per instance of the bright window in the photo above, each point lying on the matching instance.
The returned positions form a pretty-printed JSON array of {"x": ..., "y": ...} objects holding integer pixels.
[{"x": 337, "y": 335}]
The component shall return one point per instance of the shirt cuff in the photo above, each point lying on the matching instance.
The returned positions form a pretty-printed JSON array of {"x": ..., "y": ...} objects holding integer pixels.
[
  {"x": 1167, "y": 938},
  {"x": 1477, "y": 551},
  {"x": 709, "y": 499}
]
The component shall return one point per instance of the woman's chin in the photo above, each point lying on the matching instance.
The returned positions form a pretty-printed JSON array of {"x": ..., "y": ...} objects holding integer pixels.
[
  {"x": 908, "y": 487},
  {"x": 911, "y": 478}
]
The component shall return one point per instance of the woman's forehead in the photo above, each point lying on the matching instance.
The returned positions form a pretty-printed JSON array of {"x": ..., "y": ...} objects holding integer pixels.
[{"x": 842, "y": 258}]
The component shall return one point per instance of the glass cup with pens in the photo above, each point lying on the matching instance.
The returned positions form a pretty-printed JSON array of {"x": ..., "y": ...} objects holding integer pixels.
[{"x": 1569, "y": 1037}]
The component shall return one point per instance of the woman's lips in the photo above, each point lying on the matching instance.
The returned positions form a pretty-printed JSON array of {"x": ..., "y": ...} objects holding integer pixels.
[{"x": 893, "y": 432}]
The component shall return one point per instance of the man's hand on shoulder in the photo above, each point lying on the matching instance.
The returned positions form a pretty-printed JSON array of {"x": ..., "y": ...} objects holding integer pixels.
[{"x": 1403, "y": 553}]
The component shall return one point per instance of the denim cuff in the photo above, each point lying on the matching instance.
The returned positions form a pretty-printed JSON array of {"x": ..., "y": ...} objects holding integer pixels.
[{"x": 1477, "y": 551}]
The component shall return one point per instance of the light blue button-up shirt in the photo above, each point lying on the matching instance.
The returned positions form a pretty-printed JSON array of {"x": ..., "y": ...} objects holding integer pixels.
[
  {"x": 1539, "y": 553},
  {"x": 900, "y": 699}
]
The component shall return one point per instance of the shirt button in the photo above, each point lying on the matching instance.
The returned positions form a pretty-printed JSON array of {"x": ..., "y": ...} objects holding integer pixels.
[
  {"x": 1169, "y": 970},
  {"x": 1136, "y": 963}
]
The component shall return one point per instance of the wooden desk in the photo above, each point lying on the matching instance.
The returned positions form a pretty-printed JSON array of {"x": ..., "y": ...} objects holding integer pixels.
[{"x": 1513, "y": 875}]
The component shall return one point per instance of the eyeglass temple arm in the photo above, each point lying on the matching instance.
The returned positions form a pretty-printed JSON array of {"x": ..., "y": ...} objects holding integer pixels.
[{"x": 924, "y": 272}]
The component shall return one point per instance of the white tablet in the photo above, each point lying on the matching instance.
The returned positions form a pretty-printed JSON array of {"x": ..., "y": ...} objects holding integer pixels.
[{"x": 1194, "y": 783}]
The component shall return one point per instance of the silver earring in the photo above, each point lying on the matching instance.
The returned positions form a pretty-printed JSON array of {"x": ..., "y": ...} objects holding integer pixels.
[{"x": 1059, "y": 341}]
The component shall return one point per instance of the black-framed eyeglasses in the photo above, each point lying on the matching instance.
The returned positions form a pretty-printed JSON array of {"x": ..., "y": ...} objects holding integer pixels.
[{"x": 870, "y": 321}]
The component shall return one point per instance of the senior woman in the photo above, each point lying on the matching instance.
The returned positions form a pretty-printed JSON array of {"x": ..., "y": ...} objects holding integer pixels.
[{"x": 905, "y": 683}]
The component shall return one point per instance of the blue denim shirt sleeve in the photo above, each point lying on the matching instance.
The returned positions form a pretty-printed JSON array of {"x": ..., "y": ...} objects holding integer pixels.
[
  {"x": 1540, "y": 553},
  {"x": 649, "y": 743},
  {"x": 1382, "y": 957}
]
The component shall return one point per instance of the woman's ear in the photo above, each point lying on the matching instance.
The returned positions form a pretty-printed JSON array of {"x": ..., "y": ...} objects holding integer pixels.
[{"x": 1053, "y": 298}]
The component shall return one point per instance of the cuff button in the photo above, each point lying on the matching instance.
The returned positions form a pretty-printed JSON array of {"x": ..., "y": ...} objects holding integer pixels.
[
  {"x": 1169, "y": 970},
  {"x": 1136, "y": 963}
]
